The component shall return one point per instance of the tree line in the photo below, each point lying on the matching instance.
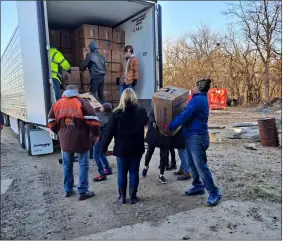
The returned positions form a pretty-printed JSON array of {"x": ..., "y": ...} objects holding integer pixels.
[{"x": 247, "y": 59}]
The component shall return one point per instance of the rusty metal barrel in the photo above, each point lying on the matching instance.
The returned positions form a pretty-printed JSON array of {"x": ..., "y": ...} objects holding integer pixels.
[{"x": 268, "y": 132}]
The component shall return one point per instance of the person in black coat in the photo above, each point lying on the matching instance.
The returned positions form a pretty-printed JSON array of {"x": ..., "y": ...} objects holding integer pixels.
[
  {"x": 165, "y": 143},
  {"x": 126, "y": 125},
  {"x": 1, "y": 121}
]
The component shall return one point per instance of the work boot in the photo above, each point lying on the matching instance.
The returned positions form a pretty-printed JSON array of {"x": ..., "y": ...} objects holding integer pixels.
[
  {"x": 184, "y": 177},
  {"x": 133, "y": 196},
  {"x": 144, "y": 171},
  {"x": 214, "y": 199},
  {"x": 122, "y": 196},
  {"x": 85, "y": 195},
  {"x": 179, "y": 172},
  {"x": 69, "y": 194},
  {"x": 195, "y": 191},
  {"x": 100, "y": 178}
]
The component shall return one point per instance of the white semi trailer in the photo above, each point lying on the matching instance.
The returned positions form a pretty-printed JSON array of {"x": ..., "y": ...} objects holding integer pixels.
[{"x": 26, "y": 84}]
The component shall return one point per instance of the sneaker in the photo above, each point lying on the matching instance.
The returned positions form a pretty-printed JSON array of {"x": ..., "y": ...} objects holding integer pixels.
[
  {"x": 179, "y": 172},
  {"x": 144, "y": 171},
  {"x": 214, "y": 199},
  {"x": 195, "y": 191},
  {"x": 85, "y": 195},
  {"x": 184, "y": 177},
  {"x": 108, "y": 172},
  {"x": 162, "y": 179},
  {"x": 100, "y": 178},
  {"x": 69, "y": 194}
]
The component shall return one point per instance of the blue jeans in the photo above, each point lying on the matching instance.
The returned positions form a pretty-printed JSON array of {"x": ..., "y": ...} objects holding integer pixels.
[
  {"x": 131, "y": 165},
  {"x": 184, "y": 160},
  {"x": 124, "y": 86},
  {"x": 68, "y": 159},
  {"x": 196, "y": 146},
  {"x": 100, "y": 158},
  {"x": 57, "y": 90}
]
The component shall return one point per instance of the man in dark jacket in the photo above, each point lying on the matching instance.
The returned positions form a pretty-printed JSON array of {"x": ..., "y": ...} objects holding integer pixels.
[
  {"x": 95, "y": 63},
  {"x": 165, "y": 143},
  {"x": 194, "y": 120},
  {"x": 102, "y": 163},
  {"x": 74, "y": 119}
]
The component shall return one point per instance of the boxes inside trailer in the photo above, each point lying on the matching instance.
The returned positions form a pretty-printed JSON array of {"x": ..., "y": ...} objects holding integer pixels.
[{"x": 74, "y": 45}]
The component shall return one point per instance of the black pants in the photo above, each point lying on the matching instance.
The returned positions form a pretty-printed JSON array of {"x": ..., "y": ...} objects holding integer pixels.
[
  {"x": 97, "y": 88},
  {"x": 173, "y": 156},
  {"x": 164, "y": 157}
]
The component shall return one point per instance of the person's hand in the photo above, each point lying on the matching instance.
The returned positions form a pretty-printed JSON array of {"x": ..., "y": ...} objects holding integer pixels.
[
  {"x": 165, "y": 127},
  {"x": 117, "y": 81},
  {"x": 1, "y": 127},
  {"x": 96, "y": 138},
  {"x": 69, "y": 71},
  {"x": 134, "y": 82}
]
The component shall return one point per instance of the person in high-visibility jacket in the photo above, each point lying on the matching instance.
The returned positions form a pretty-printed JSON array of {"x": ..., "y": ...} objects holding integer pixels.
[{"x": 58, "y": 60}]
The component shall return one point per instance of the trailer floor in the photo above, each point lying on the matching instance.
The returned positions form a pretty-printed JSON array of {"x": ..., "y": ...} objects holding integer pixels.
[{"x": 34, "y": 207}]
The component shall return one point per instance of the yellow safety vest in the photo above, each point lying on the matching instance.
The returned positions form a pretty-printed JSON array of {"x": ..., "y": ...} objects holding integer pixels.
[{"x": 57, "y": 58}]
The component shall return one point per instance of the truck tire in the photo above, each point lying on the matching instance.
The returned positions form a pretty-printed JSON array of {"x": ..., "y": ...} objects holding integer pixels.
[
  {"x": 21, "y": 128},
  {"x": 28, "y": 127}
]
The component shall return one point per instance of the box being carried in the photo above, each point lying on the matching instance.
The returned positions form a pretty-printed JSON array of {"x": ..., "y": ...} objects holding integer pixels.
[
  {"x": 91, "y": 99},
  {"x": 168, "y": 102}
]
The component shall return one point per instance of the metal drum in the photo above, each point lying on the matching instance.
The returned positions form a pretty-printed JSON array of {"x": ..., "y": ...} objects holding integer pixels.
[{"x": 268, "y": 132}]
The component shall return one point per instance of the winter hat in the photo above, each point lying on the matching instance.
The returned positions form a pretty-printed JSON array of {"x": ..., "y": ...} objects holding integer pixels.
[
  {"x": 107, "y": 107},
  {"x": 203, "y": 85},
  {"x": 72, "y": 87},
  {"x": 92, "y": 46}
]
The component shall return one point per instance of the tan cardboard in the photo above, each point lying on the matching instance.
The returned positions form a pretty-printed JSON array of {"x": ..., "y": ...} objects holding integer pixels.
[
  {"x": 105, "y": 33},
  {"x": 118, "y": 36},
  {"x": 168, "y": 102}
]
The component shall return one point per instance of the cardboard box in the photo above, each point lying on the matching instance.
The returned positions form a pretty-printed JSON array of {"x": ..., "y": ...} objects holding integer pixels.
[
  {"x": 115, "y": 67},
  {"x": 107, "y": 96},
  {"x": 114, "y": 76},
  {"x": 106, "y": 53},
  {"x": 66, "y": 39},
  {"x": 168, "y": 102},
  {"x": 92, "y": 100},
  {"x": 118, "y": 47},
  {"x": 68, "y": 54},
  {"x": 108, "y": 66},
  {"x": 107, "y": 78},
  {"x": 72, "y": 78},
  {"x": 104, "y": 44},
  {"x": 55, "y": 38},
  {"x": 104, "y": 33},
  {"x": 84, "y": 42},
  {"x": 81, "y": 54},
  {"x": 117, "y": 57},
  {"x": 86, "y": 31},
  {"x": 118, "y": 36},
  {"x": 85, "y": 77},
  {"x": 115, "y": 93}
]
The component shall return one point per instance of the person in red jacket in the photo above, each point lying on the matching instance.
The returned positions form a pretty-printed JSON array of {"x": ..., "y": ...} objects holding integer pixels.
[{"x": 74, "y": 120}]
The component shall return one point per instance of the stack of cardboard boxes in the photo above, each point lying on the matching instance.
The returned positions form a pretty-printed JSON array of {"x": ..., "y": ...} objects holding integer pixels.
[{"x": 74, "y": 46}]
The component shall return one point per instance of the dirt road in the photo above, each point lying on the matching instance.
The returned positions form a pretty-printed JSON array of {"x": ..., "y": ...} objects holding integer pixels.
[{"x": 34, "y": 206}]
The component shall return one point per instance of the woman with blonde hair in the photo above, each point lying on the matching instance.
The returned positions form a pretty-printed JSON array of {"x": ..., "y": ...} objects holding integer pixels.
[{"x": 126, "y": 125}]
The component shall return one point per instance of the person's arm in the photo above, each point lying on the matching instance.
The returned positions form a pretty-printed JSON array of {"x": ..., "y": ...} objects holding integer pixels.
[
  {"x": 60, "y": 59},
  {"x": 185, "y": 116},
  {"x": 145, "y": 118},
  {"x": 85, "y": 63},
  {"x": 52, "y": 123},
  {"x": 90, "y": 118},
  {"x": 136, "y": 68},
  {"x": 109, "y": 132}
]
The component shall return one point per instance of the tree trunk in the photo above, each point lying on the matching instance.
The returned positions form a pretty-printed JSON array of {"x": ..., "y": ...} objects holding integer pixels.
[{"x": 266, "y": 81}]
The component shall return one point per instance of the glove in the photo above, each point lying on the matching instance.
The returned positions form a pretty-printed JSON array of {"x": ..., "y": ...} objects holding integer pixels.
[
  {"x": 69, "y": 71},
  {"x": 165, "y": 127},
  {"x": 117, "y": 81},
  {"x": 134, "y": 82}
]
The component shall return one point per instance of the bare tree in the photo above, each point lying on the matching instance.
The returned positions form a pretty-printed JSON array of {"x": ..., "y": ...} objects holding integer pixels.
[{"x": 261, "y": 24}]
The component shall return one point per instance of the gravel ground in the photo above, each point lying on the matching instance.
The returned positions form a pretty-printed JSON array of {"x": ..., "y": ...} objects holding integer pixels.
[{"x": 34, "y": 206}]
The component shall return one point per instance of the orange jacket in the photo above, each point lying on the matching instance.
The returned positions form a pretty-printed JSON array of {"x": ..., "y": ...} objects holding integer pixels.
[
  {"x": 131, "y": 72},
  {"x": 74, "y": 119}
]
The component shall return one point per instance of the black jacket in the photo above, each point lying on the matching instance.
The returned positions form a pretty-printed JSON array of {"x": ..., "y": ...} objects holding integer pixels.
[
  {"x": 127, "y": 128},
  {"x": 95, "y": 63},
  {"x": 1, "y": 119},
  {"x": 103, "y": 119},
  {"x": 154, "y": 138}
]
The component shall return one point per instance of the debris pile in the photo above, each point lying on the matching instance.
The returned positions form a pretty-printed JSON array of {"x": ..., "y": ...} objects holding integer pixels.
[{"x": 244, "y": 130}]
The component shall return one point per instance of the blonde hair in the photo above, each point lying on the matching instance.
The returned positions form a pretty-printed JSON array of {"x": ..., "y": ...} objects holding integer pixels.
[{"x": 128, "y": 97}]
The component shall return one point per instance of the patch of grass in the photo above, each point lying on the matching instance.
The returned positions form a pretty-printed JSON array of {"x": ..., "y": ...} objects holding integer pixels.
[{"x": 266, "y": 192}]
